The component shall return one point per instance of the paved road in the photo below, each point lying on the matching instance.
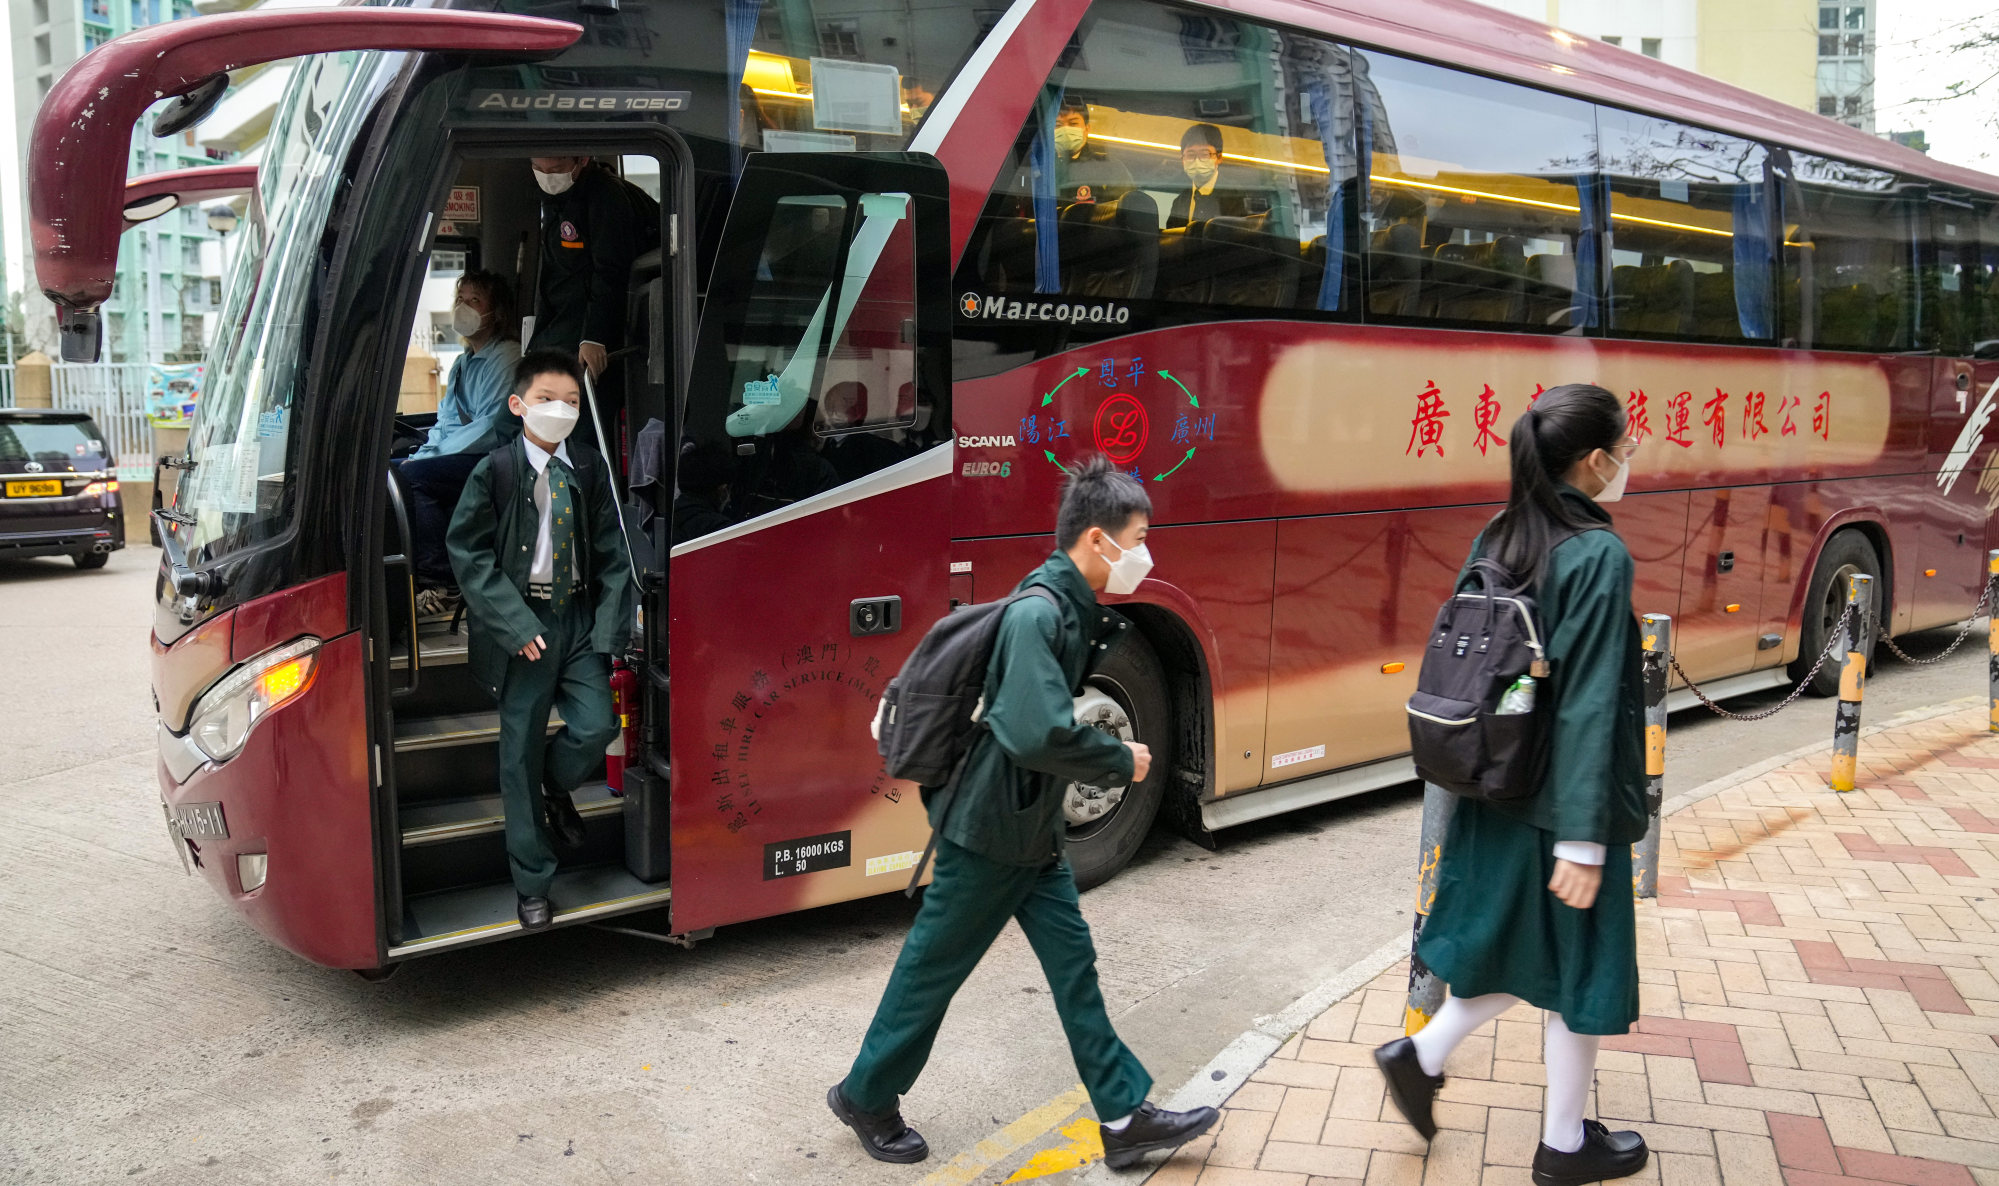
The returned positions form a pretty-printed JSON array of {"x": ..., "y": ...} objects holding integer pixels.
[{"x": 149, "y": 1035}]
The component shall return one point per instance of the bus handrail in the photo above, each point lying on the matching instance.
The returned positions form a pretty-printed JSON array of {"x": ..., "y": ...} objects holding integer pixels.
[{"x": 83, "y": 133}]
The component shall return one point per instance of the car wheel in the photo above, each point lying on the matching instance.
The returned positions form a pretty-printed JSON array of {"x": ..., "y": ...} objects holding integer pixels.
[
  {"x": 90, "y": 560},
  {"x": 1125, "y": 697},
  {"x": 1846, "y": 553}
]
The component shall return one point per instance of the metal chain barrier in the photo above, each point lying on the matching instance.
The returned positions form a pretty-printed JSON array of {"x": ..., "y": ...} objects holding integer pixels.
[
  {"x": 1832, "y": 641},
  {"x": 1977, "y": 612}
]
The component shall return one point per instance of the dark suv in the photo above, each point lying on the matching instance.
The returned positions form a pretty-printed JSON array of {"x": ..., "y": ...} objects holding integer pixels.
[{"x": 58, "y": 488}]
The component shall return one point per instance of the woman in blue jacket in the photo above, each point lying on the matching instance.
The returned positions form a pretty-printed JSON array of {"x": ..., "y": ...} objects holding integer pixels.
[{"x": 1518, "y": 913}]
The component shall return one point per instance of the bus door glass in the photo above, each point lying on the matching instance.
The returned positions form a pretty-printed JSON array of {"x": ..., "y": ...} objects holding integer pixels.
[
  {"x": 1962, "y": 403},
  {"x": 810, "y": 532}
]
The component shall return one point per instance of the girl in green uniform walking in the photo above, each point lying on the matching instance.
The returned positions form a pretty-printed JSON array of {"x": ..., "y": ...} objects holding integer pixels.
[{"x": 1518, "y": 913}]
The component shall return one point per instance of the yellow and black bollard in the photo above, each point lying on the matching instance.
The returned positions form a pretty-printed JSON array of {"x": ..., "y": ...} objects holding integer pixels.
[
  {"x": 1657, "y": 633},
  {"x": 1992, "y": 630},
  {"x": 1856, "y": 635},
  {"x": 1426, "y": 992}
]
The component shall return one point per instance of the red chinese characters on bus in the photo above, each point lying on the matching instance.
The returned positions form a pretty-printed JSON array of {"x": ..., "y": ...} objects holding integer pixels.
[
  {"x": 1753, "y": 427},
  {"x": 1677, "y": 417},
  {"x": 1637, "y": 417},
  {"x": 1714, "y": 414},
  {"x": 1426, "y": 429},
  {"x": 1484, "y": 417},
  {"x": 1822, "y": 416},
  {"x": 1786, "y": 426}
]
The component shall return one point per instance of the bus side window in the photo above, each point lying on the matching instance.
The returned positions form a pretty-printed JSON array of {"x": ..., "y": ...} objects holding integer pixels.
[
  {"x": 1478, "y": 192},
  {"x": 1849, "y": 274},
  {"x": 1984, "y": 280},
  {"x": 1689, "y": 236}
]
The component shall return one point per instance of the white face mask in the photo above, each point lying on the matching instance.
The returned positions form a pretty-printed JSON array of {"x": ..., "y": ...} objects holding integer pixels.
[
  {"x": 466, "y": 320},
  {"x": 1129, "y": 568},
  {"x": 1614, "y": 490},
  {"x": 551, "y": 420},
  {"x": 1069, "y": 140},
  {"x": 1201, "y": 172},
  {"x": 554, "y": 183}
]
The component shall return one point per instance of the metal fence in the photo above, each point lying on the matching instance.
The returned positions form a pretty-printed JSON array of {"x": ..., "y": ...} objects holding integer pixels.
[{"x": 115, "y": 396}]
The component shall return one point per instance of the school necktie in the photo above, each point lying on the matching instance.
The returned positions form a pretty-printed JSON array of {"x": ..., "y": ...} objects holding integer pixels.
[{"x": 560, "y": 535}]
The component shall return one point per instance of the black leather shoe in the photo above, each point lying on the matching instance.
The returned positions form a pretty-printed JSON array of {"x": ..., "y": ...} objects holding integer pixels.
[
  {"x": 1604, "y": 1155},
  {"x": 1413, "y": 1091},
  {"x": 535, "y": 913},
  {"x": 563, "y": 819},
  {"x": 1151, "y": 1129},
  {"x": 883, "y": 1134}
]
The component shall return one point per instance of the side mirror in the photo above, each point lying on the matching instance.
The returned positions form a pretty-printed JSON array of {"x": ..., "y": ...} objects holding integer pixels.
[{"x": 1986, "y": 351}]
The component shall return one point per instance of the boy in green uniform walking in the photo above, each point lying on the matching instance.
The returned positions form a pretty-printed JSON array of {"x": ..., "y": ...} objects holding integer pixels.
[
  {"x": 534, "y": 544},
  {"x": 1000, "y": 834}
]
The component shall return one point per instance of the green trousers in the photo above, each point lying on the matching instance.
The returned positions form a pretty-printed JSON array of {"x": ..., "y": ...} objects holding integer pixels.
[
  {"x": 967, "y": 905},
  {"x": 568, "y": 676}
]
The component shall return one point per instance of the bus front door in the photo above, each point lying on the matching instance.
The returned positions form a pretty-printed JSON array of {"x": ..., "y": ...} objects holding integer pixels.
[{"x": 811, "y": 533}]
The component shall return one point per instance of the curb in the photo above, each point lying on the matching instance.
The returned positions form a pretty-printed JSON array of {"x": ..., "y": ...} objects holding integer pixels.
[{"x": 1213, "y": 1084}]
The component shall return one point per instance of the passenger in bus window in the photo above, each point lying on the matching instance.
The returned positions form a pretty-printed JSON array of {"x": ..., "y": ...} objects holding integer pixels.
[
  {"x": 1533, "y": 895},
  {"x": 702, "y": 506},
  {"x": 999, "y": 830},
  {"x": 1204, "y": 197},
  {"x": 539, "y": 554},
  {"x": 472, "y": 421},
  {"x": 593, "y": 225},
  {"x": 1085, "y": 171}
]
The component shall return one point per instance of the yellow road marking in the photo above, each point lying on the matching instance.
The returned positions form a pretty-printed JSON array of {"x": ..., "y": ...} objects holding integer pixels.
[
  {"x": 967, "y": 1166},
  {"x": 1086, "y": 1144}
]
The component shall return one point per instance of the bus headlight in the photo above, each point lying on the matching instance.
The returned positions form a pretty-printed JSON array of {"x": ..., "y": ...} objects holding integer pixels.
[{"x": 226, "y": 713}]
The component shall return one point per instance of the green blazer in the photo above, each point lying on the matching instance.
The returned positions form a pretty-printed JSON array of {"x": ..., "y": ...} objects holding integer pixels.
[
  {"x": 1595, "y": 786},
  {"x": 1007, "y": 804},
  {"x": 491, "y": 556}
]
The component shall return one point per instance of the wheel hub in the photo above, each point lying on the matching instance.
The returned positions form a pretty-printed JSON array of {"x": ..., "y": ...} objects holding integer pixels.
[{"x": 1083, "y": 804}]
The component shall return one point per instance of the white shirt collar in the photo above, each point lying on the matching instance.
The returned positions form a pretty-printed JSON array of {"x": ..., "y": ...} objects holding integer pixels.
[{"x": 538, "y": 456}]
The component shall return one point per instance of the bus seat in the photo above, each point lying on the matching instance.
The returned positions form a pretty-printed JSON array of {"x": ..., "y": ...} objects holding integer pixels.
[
  {"x": 1311, "y": 272},
  {"x": 1006, "y": 252},
  {"x": 1395, "y": 262},
  {"x": 1111, "y": 249},
  {"x": 1250, "y": 266},
  {"x": 1479, "y": 281},
  {"x": 1181, "y": 277},
  {"x": 1657, "y": 298},
  {"x": 1715, "y": 311},
  {"x": 1551, "y": 289}
]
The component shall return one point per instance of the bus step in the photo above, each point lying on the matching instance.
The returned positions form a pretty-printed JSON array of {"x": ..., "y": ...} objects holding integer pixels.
[
  {"x": 439, "y": 650},
  {"x": 441, "y": 820},
  {"x": 481, "y": 914},
  {"x": 464, "y": 728}
]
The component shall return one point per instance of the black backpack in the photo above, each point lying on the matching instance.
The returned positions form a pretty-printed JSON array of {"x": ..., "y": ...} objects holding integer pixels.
[
  {"x": 1466, "y": 733},
  {"x": 930, "y": 712}
]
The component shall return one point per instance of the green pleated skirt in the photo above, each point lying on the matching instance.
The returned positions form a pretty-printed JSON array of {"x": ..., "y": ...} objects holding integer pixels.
[{"x": 1494, "y": 927}]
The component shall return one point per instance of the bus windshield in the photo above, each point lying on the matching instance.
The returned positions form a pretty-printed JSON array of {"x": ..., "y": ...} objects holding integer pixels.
[{"x": 237, "y": 494}]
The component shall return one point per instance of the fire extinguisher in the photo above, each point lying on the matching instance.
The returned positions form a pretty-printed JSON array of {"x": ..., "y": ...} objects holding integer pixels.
[{"x": 625, "y": 702}]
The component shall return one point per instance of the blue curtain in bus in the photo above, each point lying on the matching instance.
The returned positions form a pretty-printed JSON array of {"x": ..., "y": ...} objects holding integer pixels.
[
  {"x": 1594, "y": 197},
  {"x": 1321, "y": 96},
  {"x": 1041, "y": 170},
  {"x": 1754, "y": 259},
  {"x": 742, "y": 29}
]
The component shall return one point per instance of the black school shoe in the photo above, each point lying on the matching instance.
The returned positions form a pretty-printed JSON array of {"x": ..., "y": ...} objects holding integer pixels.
[
  {"x": 563, "y": 819},
  {"x": 883, "y": 1134},
  {"x": 1151, "y": 1130},
  {"x": 1412, "y": 1090},
  {"x": 535, "y": 913},
  {"x": 1604, "y": 1155}
]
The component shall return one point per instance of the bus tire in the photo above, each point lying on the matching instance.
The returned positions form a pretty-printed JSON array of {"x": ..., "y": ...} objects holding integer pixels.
[
  {"x": 1125, "y": 696},
  {"x": 1845, "y": 553}
]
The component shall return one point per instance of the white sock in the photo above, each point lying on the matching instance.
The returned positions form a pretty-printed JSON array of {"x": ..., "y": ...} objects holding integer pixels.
[
  {"x": 1453, "y": 1023},
  {"x": 1571, "y": 1063},
  {"x": 1116, "y": 1125}
]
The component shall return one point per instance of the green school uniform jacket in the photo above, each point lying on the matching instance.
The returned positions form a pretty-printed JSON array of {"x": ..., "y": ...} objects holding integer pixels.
[
  {"x": 1595, "y": 786},
  {"x": 1007, "y": 805},
  {"x": 491, "y": 557}
]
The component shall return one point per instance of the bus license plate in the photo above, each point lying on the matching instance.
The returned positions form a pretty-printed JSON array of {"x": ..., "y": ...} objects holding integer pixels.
[
  {"x": 201, "y": 821},
  {"x": 38, "y": 489}
]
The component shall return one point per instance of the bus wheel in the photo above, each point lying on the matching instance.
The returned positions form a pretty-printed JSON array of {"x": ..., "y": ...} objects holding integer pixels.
[
  {"x": 1846, "y": 553},
  {"x": 1125, "y": 697}
]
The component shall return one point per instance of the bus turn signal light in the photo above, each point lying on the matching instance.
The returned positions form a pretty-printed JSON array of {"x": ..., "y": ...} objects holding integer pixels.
[
  {"x": 1734, "y": 609},
  {"x": 224, "y": 715},
  {"x": 1392, "y": 668},
  {"x": 1929, "y": 572}
]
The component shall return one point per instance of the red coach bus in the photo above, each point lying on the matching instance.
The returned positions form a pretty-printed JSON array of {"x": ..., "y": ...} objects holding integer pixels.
[{"x": 1297, "y": 265}]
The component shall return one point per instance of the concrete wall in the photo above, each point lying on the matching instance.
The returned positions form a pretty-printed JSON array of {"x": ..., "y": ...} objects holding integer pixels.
[{"x": 1770, "y": 46}]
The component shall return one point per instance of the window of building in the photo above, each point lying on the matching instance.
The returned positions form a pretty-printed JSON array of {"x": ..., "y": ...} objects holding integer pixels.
[
  {"x": 1476, "y": 199},
  {"x": 1854, "y": 45},
  {"x": 1848, "y": 254},
  {"x": 1828, "y": 105},
  {"x": 839, "y": 39},
  {"x": 39, "y": 12},
  {"x": 1850, "y": 106},
  {"x": 1856, "y": 16},
  {"x": 1613, "y": 40},
  {"x": 93, "y": 40},
  {"x": 1828, "y": 18},
  {"x": 43, "y": 55},
  {"x": 1185, "y": 158},
  {"x": 1828, "y": 45},
  {"x": 1650, "y": 46},
  {"x": 1689, "y": 241}
]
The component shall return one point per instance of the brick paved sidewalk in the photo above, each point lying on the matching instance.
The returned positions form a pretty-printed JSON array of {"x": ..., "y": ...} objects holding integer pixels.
[{"x": 1819, "y": 997}]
